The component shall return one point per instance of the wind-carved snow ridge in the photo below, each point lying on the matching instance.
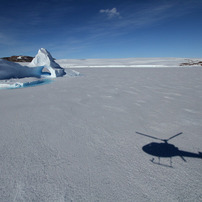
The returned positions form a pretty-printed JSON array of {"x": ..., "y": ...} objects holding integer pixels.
[{"x": 44, "y": 58}]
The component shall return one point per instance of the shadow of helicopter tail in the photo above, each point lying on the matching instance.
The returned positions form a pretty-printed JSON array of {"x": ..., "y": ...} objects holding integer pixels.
[{"x": 189, "y": 154}]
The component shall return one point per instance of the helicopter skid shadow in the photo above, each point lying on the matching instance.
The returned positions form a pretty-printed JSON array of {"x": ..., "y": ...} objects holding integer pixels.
[{"x": 160, "y": 164}]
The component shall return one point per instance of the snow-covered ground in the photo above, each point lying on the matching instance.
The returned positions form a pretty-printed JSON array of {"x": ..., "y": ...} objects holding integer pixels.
[
  {"x": 125, "y": 62},
  {"x": 75, "y": 139}
]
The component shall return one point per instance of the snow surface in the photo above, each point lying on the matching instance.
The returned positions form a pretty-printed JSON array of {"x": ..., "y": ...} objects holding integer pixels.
[
  {"x": 75, "y": 139},
  {"x": 124, "y": 62}
]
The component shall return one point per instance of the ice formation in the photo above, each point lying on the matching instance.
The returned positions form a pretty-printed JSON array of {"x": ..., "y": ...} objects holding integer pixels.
[
  {"x": 10, "y": 70},
  {"x": 44, "y": 58}
]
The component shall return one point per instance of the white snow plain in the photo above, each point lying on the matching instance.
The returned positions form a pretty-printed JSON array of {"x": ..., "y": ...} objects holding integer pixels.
[
  {"x": 125, "y": 62},
  {"x": 75, "y": 139}
]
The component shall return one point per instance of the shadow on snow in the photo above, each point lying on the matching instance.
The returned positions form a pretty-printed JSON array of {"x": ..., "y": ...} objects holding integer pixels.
[{"x": 166, "y": 150}]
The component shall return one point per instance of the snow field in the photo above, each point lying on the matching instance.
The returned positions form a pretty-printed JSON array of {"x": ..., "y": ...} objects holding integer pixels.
[
  {"x": 75, "y": 139},
  {"x": 124, "y": 62}
]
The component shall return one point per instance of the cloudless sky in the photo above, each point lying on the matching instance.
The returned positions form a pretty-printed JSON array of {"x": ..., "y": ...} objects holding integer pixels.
[{"x": 101, "y": 28}]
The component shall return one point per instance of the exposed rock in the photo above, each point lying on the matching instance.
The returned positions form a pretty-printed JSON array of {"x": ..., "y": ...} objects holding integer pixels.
[
  {"x": 191, "y": 63},
  {"x": 19, "y": 58}
]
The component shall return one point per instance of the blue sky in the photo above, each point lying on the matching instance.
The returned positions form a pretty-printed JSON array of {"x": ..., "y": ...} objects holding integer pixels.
[{"x": 101, "y": 29}]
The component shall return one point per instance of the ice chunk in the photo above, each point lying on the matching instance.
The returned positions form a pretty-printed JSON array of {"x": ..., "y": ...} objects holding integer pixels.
[
  {"x": 10, "y": 70},
  {"x": 44, "y": 58},
  {"x": 11, "y": 86}
]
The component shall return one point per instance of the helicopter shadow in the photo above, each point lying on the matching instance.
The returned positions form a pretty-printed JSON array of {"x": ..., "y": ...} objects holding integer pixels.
[{"x": 166, "y": 150}]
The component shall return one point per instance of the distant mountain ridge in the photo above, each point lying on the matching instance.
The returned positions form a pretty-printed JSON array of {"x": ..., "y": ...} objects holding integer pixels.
[{"x": 19, "y": 58}]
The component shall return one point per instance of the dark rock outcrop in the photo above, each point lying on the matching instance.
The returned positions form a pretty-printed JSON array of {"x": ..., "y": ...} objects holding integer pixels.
[
  {"x": 18, "y": 58},
  {"x": 191, "y": 63}
]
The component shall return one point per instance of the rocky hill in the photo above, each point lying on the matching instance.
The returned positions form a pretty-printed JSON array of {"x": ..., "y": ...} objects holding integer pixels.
[
  {"x": 191, "y": 63},
  {"x": 18, "y": 58}
]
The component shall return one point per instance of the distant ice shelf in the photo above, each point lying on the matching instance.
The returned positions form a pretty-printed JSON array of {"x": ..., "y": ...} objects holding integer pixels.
[{"x": 123, "y": 62}]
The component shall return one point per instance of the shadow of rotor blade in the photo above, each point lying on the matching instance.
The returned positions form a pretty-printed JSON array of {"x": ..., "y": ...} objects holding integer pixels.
[
  {"x": 174, "y": 136},
  {"x": 148, "y": 136}
]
